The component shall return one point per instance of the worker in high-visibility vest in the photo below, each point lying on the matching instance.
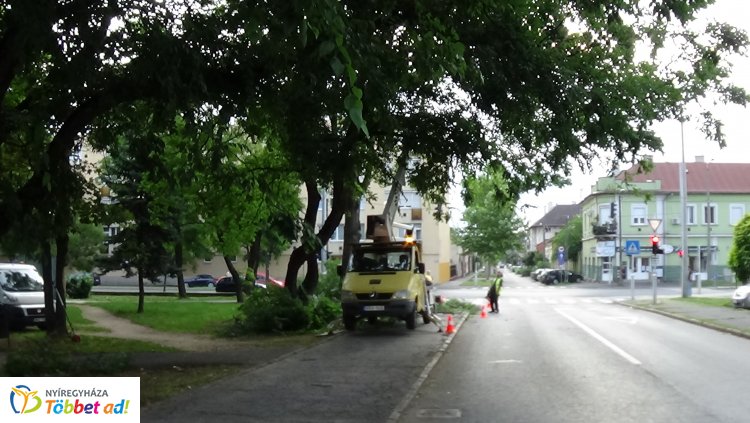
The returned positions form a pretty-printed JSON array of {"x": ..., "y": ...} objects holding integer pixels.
[{"x": 494, "y": 293}]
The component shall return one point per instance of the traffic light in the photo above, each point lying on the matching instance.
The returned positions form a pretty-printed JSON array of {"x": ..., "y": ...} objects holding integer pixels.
[
  {"x": 655, "y": 245},
  {"x": 680, "y": 253}
]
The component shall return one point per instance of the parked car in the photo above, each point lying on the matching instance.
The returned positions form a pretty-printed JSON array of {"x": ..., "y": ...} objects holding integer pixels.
[
  {"x": 538, "y": 273},
  {"x": 200, "y": 280},
  {"x": 21, "y": 296},
  {"x": 97, "y": 279},
  {"x": 226, "y": 283},
  {"x": 262, "y": 280},
  {"x": 553, "y": 277},
  {"x": 741, "y": 296}
]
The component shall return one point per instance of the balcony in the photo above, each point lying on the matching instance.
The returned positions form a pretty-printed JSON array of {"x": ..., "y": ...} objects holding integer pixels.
[{"x": 605, "y": 229}]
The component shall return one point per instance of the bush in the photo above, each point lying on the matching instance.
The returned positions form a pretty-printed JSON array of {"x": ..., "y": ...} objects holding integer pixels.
[
  {"x": 329, "y": 284},
  {"x": 79, "y": 285},
  {"x": 273, "y": 309},
  {"x": 322, "y": 311}
]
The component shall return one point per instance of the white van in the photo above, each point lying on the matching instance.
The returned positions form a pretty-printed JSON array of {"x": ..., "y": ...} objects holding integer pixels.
[{"x": 22, "y": 295}]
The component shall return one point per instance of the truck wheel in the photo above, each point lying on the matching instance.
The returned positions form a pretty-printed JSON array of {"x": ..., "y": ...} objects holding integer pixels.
[
  {"x": 411, "y": 319},
  {"x": 350, "y": 322}
]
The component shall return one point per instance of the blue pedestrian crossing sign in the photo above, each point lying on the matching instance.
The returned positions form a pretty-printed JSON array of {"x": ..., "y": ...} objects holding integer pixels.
[{"x": 632, "y": 247}]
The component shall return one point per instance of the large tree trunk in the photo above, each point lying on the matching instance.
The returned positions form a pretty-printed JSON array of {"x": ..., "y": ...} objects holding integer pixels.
[
  {"x": 49, "y": 288},
  {"x": 182, "y": 293},
  {"x": 141, "y": 291},
  {"x": 352, "y": 231},
  {"x": 300, "y": 255},
  {"x": 60, "y": 327},
  {"x": 253, "y": 253},
  {"x": 237, "y": 280}
]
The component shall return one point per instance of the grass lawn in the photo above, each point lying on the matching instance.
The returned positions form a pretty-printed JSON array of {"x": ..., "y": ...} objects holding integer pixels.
[
  {"x": 709, "y": 301},
  {"x": 170, "y": 314}
]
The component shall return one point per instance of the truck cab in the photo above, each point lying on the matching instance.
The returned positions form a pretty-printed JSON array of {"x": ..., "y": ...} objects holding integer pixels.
[{"x": 385, "y": 279}]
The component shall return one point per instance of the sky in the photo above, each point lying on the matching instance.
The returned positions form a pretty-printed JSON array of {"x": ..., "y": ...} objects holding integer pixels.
[{"x": 735, "y": 119}]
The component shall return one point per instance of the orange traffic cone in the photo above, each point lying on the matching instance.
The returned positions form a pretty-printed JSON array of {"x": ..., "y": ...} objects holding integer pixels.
[
  {"x": 483, "y": 313},
  {"x": 449, "y": 328}
]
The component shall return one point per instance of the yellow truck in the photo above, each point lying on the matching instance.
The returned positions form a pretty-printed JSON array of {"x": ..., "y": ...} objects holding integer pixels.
[{"x": 385, "y": 279}]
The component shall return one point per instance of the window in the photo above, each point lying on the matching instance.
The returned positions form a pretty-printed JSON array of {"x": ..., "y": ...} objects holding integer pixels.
[
  {"x": 690, "y": 212},
  {"x": 736, "y": 212},
  {"x": 638, "y": 214},
  {"x": 604, "y": 212},
  {"x": 338, "y": 234},
  {"x": 410, "y": 199},
  {"x": 709, "y": 214},
  {"x": 418, "y": 232}
]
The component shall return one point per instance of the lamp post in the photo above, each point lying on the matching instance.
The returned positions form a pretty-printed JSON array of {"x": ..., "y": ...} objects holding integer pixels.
[
  {"x": 685, "y": 284},
  {"x": 709, "y": 209}
]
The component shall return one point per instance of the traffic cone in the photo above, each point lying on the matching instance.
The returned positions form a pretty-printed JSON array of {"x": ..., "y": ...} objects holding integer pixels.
[
  {"x": 449, "y": 328},
  {"x": 483, "y": 313}
]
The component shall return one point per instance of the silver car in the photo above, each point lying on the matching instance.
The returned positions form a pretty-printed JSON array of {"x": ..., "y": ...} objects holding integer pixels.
[{"x": 741, "y": 296}]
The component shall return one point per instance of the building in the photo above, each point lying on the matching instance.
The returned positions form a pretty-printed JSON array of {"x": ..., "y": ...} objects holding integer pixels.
[
  {"x": 542, "y": 232},
  {"x": 619, "y": 213},
  {"x": 413, "y": 210}
]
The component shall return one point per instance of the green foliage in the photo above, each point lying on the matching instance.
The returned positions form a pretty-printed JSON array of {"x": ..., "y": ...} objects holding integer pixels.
[
  {"x": 492, "y": 228},
  {"x": 526, "y": 271},
  {"x": 79, "y": 285},
  {"x": 322, "y": 311},
  {"x": 570, "y": 237},
  {"x": 85, "y": 246},
  {"x": 739, "y": 255},
  {"x": 329, "y": 284},
  {"x": 273, "y": 310}
]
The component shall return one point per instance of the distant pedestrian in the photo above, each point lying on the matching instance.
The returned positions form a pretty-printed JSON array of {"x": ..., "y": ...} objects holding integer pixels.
[{"x": 494, "y": 292}]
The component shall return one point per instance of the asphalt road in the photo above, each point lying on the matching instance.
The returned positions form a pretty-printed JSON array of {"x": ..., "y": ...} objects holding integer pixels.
[{"x": 568, "y": 355}]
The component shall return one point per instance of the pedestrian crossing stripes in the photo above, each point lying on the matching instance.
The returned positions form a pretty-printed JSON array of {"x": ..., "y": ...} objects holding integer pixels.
[{"x": 545, "y": 301}]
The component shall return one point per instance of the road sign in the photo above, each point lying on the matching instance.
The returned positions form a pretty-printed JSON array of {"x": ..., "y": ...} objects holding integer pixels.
[
  {"x": 668, "y": 249},
  {"x": 632, "y": 247},
  {"x": 561, "y": 248},
  {"x": 561, "y": 257}
]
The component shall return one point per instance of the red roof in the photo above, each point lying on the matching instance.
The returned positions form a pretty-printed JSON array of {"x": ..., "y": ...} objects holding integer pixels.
[{"x": 702, "y": 177}]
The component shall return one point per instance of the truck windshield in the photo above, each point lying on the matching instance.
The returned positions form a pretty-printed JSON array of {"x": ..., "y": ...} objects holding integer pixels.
[
  {"x": 381, "y": 260},
  {"x": 20, "y": 281}
]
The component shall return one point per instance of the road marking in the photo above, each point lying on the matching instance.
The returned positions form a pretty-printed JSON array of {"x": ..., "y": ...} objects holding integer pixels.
[
  {"x": 505, "y": 361},
  {"x": 600, "y": 338},
  {"x": 624, "y": 319}
]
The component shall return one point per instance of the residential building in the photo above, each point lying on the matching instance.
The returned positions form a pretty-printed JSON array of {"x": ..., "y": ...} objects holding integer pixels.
[
  {"x": 413, "y": 210},
  {"x": 619, "y": 213},
  {"x": 542, "y": 231}
]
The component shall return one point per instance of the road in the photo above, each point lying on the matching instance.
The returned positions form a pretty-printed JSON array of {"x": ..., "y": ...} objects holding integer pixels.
[{"x": 571, "y": 355}]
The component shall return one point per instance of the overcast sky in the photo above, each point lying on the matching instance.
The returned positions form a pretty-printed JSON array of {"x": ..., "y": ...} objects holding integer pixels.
[{"x": 736, "y": 128}]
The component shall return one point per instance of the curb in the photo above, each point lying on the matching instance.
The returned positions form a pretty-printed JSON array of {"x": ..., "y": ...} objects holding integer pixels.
[{"x": 731, "y": 331}]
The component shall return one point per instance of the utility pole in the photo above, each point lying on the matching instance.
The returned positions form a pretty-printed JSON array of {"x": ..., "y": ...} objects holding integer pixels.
[{"x": 686, "y": 288}]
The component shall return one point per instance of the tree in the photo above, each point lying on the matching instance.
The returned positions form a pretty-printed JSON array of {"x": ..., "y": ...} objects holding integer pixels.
[
  {"x": 739, "y": 255},
  {"x": 570, "y": 237},
  {"x": 86, "y": 242},
  {"x": 492, "y": 227}
]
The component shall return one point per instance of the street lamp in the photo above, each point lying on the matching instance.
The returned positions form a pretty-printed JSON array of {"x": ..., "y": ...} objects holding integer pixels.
[
  {"x": 654, "y": 223},
  {"x": 686, "y": 288}
]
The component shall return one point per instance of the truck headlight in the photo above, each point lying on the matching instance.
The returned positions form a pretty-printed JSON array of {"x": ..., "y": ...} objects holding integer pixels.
[
  {"x": 347, "y": 296},
  {"x": 401, "y": 295}
]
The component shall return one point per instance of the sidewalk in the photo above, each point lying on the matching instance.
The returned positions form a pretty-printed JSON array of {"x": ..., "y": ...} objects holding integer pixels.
[{"x": 734, "y": 321}]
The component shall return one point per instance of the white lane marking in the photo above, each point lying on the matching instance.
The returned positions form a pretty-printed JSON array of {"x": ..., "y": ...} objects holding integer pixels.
[
  {"x": 505, "y": 361},
  {"x": 530, "y": 301},
  {"x": 624, "y": 319},
  {"x": 586, "y": 300},
  {"x": 550, "y": 301},
  {"x": 515, "y": 301},
  {"x": 600, "y": 338}
]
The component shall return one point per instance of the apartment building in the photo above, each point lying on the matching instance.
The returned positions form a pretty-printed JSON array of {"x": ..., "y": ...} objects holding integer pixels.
[{"x": 622, "y": 213}]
